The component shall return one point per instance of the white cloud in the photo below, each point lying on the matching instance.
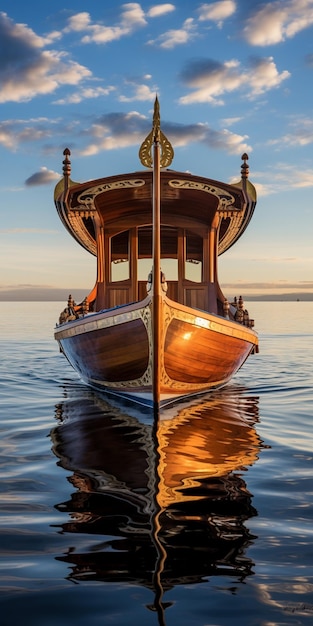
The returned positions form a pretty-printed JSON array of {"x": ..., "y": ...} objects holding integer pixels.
[
  {"x": 15, "y": 132},
  {"x": 160, "y": 9},
  {"x": 110, "y": 132},
  {"x": 43, "y": 177},
  {"x": 131, "y": 18},
  {"x": 229, "y": 121},
  {"x": 210, "y": 80},
  {"x": 27, "y": 70},
  {"x": 7, "y": 137},
  {"x": 78, "y": 22},
  {"x": 305, "y": 179},
  {"x": 286, "y": 174},
  {"x": 277, "y": 21},
  {"x": 175, "y": 37},
  {"x": 133, "y": 15},
  {"x": 53, "y": 36},
  {"x": 264, "y": 76},
  {"x": 85, "y": 94},
  {"x": 118, "y": 130},
  {"x": 142, "y": 93},
  {"x": 217, "y": 11},
  {"x": 18, "y": 33},
  {"x": 283, "y": 176},
  {"x": 301, "y": 134}
]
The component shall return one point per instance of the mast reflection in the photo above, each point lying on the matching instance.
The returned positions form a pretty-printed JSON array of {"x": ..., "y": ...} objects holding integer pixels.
[{"x": 166, "y": 500}]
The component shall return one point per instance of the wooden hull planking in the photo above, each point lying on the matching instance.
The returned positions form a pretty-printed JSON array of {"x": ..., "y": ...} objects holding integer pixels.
[{"x": 113, "y": 350}]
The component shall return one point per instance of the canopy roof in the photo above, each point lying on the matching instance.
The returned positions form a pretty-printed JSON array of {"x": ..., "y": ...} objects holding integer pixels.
[{"x": 125, "y": 201}]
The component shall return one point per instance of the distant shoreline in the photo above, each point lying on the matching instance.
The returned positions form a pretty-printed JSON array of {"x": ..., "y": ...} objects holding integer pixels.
[{"x": 61, "y": 295}]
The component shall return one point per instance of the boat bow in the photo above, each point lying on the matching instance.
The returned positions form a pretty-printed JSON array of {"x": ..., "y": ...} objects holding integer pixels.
[{"x": 171, "y": 336}]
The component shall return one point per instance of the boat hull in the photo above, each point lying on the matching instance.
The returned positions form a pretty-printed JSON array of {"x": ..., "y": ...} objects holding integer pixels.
[{"x": 113, "y": 350}]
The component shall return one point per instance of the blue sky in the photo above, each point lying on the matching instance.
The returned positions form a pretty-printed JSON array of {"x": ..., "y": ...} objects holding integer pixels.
[{"x": 232, "y": 76}]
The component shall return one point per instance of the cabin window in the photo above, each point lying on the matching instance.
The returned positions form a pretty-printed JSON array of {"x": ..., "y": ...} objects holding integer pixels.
[
  {"x": 169, "y": 261},
  {"x": 120, "y": 266},
  {"x": 169, "y": 268},
  {"x": 193, "y": 257}
]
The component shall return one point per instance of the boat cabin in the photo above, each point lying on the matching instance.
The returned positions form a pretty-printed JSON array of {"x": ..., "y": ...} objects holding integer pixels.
[{"x": 116, "y": 215}]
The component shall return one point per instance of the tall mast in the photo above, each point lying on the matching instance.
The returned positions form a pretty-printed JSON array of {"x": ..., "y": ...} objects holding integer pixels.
[{"x": 162, "y": 155}]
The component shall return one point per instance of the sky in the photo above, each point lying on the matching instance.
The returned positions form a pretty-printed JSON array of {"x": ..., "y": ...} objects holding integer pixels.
[{"x": 232, "y": 76}]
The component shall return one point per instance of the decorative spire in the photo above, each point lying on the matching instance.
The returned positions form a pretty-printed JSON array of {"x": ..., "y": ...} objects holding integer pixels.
[
  {"x": 67, "y": 163},
  {"x": 245, "y": 167},
  {"x": 156, "y": 136},
  {"x": 156, "y": 129}
]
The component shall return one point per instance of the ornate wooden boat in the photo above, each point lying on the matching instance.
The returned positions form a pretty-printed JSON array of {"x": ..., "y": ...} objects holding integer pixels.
[{"x": 156, "y": 326}]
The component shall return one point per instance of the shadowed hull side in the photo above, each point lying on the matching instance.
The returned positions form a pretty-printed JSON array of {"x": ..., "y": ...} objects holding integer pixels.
[
  {"x": 109, "y": 349},
  {"x": 113, "y": 350}
]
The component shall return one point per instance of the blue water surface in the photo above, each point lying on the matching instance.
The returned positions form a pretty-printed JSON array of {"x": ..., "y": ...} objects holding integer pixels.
[{"x": 204, "y": 520}]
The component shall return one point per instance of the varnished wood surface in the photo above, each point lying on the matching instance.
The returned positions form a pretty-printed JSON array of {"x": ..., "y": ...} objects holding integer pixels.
[
  {"x": 196, "y": 351},
  {"x": 111, "y": 354},
  {"x": 197, "y": 355},
  {"x": 130, "y": 206}
]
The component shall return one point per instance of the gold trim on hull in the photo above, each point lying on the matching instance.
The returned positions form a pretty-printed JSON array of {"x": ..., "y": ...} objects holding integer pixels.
[{"x": 213, "y": 347}]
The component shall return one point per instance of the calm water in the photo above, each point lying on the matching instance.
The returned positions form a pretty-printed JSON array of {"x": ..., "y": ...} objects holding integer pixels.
[{"x": 207, "y": 521}]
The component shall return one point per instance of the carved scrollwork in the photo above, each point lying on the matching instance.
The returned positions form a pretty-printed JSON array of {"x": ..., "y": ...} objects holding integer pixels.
[
  {"x": 87, "y": 197},
  {"x": 156, "y": 135},
  {"x": 225, "y": 200}
]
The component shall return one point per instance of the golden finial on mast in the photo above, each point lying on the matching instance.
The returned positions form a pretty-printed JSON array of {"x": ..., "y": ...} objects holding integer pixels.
[{"x": 156, "y": 136}]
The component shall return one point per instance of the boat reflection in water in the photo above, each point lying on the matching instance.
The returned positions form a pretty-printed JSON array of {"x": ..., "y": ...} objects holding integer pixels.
[{"x": 167, "y": 499}]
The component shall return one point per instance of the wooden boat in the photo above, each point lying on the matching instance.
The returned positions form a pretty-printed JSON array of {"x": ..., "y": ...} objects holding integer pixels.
[{"x": 156, "y": 335}]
